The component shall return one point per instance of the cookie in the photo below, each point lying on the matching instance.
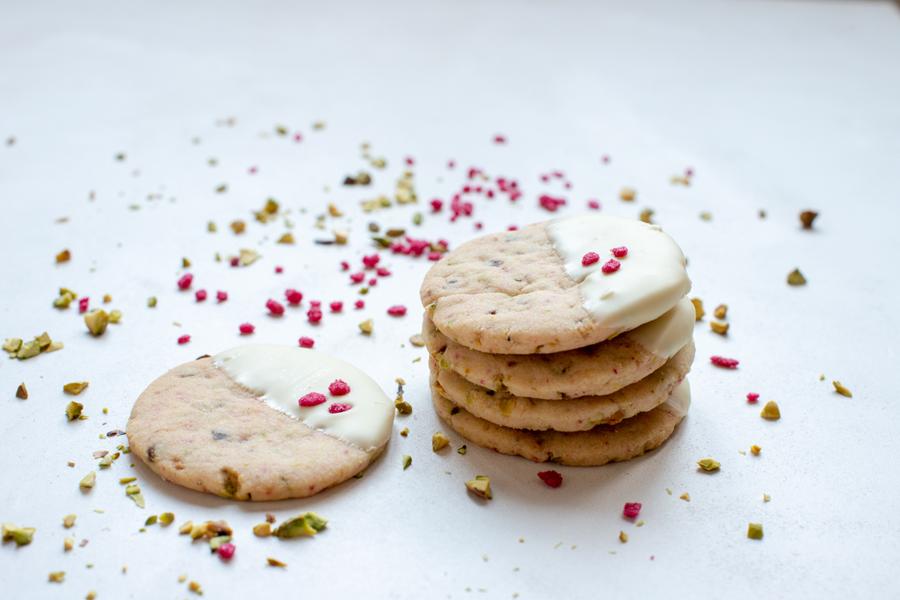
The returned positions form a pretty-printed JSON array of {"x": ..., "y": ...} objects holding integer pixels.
[
  {"x": 578, "y": 414},
  {"x": 527, "y": 291},
  {"x": 231, "y": 425},
  {"x": 602, "y": 444},
  {"x": 595, "y": 370}
]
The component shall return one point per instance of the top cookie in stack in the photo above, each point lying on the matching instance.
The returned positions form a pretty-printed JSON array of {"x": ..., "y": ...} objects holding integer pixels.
[{"x": 568, "y": 340}]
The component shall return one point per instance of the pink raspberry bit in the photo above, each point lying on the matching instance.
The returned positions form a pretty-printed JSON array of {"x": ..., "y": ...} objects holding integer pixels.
[
  {"x": 619, "y": 251},
  {"x": 550, "y": 203},
  {"x": 594, "y": 204},
  {"x": 184, "y": 282},
  {"x": 293, "y": 296},
  {"x": 275, "y": 308},
  {"x": 234, "y": 261},
  {"x": 631, "y": 510},
  {"x": 436, "y": 205},
  {"x": 589, "y": 259},
  {"x": 345, "y": 266},
  {"x": 398, "y": 310},
  {"x": 246, "y": 328},
  {"x": 725, "y": 363},
  {"x": 306, "y": 342},
  {"x": 383, "y": 272},
  {"x": 336, "y": 307},
  {"x": 226, "y": 551},
  {"x": 221, "y": 296},
  {"x": 200, "y": 295},
  {"x": 371, "y": 260},
  {"x": 611, "y": 266},
  {"x": 184, "y": 339},
  {"x": 339, "y": 387},
  {"x": 312, "y": 399},
  {"x": 499, "y": 139},
  {"x": 314, "y": 315},
  {"x": 752, "y": 398},
  {"x": 279, "y": 269},
  {"x": 357, "y": 277},
  {"x": 339, "y": 407},
  {"x": 359, "y": 304},
  {"x": 83, "y": 304},
  {"x": 553, "y": 479}
]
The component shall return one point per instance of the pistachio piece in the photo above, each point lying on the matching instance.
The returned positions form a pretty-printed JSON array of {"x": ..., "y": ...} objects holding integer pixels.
[
  {"x": 708, "y": 464},
  {"x": 755, "y": 531},
  {"x": 73, "y": 410},
  {"x": 22, "y": 392},
  {"x": 628, "y": 194},
  {"x": 262, "y": 530},
  {"x": 69, "y": 521},
  {"x": 274, "y": 562},
  {"x": 64, "y": 256},
  {"x": 795, "y": 277},
  {"x": 76, "y": 387},
  {"x": 286, "y": 238},
  {"x": 721, "y": 311},
  {"x": 366, "y": 327},
  {"x": 480, "y": 486},
  {"x": 407, "y": 461},
  {"x": 718, "y": 327},
  {"x": 305, "y": 525},
  {"x": 698, "y": 308},
  {"x": 770, "y": 411},
  {"x": 838, "y": 387},
  {"x": 807, "y": 217},
  {"x": 22, "y": 536},
  {"x": 56, "y": 576},
  {"x": 87, "y": 482},
  {"x": 439, "y": 441},
  {"x": 623, "y": 537}
]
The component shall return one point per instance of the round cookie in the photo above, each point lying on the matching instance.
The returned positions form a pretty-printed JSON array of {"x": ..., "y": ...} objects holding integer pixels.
[
  {"x": 577, "y": 414},
  {"x": 595, "y": 370},
  {"x": 603, "y": 444},
  {"x": 527, "y": 292},
  {"x": 231, "y": 424}
]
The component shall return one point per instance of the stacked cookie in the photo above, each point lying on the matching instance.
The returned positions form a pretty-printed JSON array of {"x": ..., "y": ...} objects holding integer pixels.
[{"x": 565, "y": 341}]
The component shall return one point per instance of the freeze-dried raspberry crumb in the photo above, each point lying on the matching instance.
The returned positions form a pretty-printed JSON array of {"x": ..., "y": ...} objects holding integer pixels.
[
  {"x": 345, "y": 266},
  {"x": 338, "y": 387},
  {"x": 550, "y": 203},
  {"x": 221, "y": 296},
  {"x": 315, "y": 304},
  {"x": 314, "y": 315},
  {"x": 410, "y": 161},
  {"x": 725, "y": 363},
  {"x": 336, "y": 307},
  {"x": 312, "y": 399},
  {"x": 359, "y": 304},
  {"x": 275, "y": 308},
  {"x": 226, "y": 551},
  {"x": 611, "y": 266},
  {"x": 246, "y": 328},
  {"x": 383, "y": 272},
  {"x": 594, "y": 204},
  {"x": 234, "y": 261},
  {"x": 306, "y": 342},
  {"x": 373, "y": 282},
  {"x": 499, "y": 139},
  {"x": 436, "y": 205},
  {"x": 553, "y": 479},
  {"x": 752, "y": 398},
  {"x": 279, "y": 269},
  {"x": 184, "y": 339},
  {"x": 371, "y": 260},
  {"x": 398, "y": 310},
  {"x": 83, "y": 304},
  {"x": 293, "y": 296},
  {"x": 619, "y": 251},
  {"x": 589, "y": 258},
  {"x": 339, "y": 407},
  {"x": 631, "y": 510},
  {"x": 357, "y": 277},
  {"x": 200, "y": 295},
  {"x": 184, "y": 282},
  {"x": 435, "y": 256}
]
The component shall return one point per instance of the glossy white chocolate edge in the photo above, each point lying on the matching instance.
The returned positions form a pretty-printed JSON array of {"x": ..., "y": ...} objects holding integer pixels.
[
  {"x": 668, "y": 334},
  {"x": 652, "y": 277},
  {"x": 281, "y": 375},
  {"x": 680, "y": 400}
]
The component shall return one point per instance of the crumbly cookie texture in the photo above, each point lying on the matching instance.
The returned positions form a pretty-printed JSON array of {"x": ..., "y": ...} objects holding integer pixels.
[
  {"x": 508, "y": 293},
  {"x": 603, "y": 444},
  {"x": 196, "y": 427},
  {"x": 579, "y": 414}
]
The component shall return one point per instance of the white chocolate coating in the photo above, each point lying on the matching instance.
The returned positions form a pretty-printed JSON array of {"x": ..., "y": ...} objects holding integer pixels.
[
  {"x": 680, "y": 399},
  {"x": 652, "y": 277},
  {"x": 668, "y": 334},
  {"x": 281, "y": 375}
]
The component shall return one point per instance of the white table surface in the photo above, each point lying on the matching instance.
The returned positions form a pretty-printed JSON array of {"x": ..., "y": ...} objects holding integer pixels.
[{"x": 779, "y": 106}]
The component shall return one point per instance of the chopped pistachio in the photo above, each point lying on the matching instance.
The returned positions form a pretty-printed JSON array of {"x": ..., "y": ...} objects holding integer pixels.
[
  {"x": 106, "y": 461},
  {"x": 766, "y": 498},
  {"x": 28, "y": 350},
  {"x": 407, "y": 461},
  {"x": 91, "y": 595},
  {"x": 462, "y": 450},
  {"x": 238, "y": 226},
  {"x": 623, "y": 537},
  {"x": 721, "y": 311},
  {"x": 286, "y": 238},
  {"x": 115, "y": 316},
  {"x": 151, "y": 520},
  {"x": 127, "y": 480},
  {"x": 186, "y": 528},
  {"x": 795, "y": 277},
  {"x": 305, "y": 525},
  {"x": 755, "y": 450},
  {"x": 151, "y": 302},
  {"x": 646, "y": 215},
  {"x": 417, "y": 340},
  {"x": 56, "y": 576},
  {"x": 22, "y": 536},
  {"x": 366, "y": 327},
  {"x": 22, "y": 392},
  {"x": 185, "y": 262},
  {"x": 12, "y": 345},
  {"x": 211, "y": 227},
  {"x": 755, "y": 531},
  {"x": 480, "y": 486},
  {"x": 133, "y": 491},
  {"x": 718, "y": 327},
  {"x": 334, "y": 211},
  {"x": 708, "y": 464},
  {"x": 68, "y": 544},
  {"x": 274, "y": 562},
  {"x": 403, "y": 407},
  {"x": 64, "y": 256},
  {"x": 838, "y": 387},
  {"x": 76, "y": 387},
  {"x": 706, "y": 215},
  {"x": 96, "y": 321},
  {"x": 69, "y": 521},
  {"x": 88, "y": 481},
  {"x": 770, "y": 411},
  {"x": 195, "y": 588},
  {"x": 698, "y": 308},
  {"x": 686, "y": 497},
  {"x": 247, "y": 256},
  {"x": 64, "y": 299},
  {"x": 166, "y": 518},
  {"x": 262, "y": 530},
  {"x": 215, "y": 542},
  {"x": 417, "y": 218},
  {"x": 628, "y": 194},
  {"x": 341, "y": 237},
  {"x": 404, "y": 432},
  {"x": 439, "y": 441},
  {"x": 73, "y": 410},
  {"x": 807, "y": 217}
]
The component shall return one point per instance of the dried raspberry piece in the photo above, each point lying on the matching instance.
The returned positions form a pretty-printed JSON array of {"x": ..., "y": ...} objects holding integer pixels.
[
  {"x": 221, "y": 296},
  {"x": 553, "y": 479},
  {"x": 550, "y": 203},
  {"x": 315, "y": 304},
  {"x": 725, "y": 363},
  {"x": 345, "y": 266},
  {"x": 373, "y": 282},
  {"x": 359, "y": 304},
  {"x": 611, "y": 266},
  {"x": 383, "y": 272},
  {"x": 752, "y": 398},
  {"x": 619, "y": 251},
  {"x": 314, "y": 315},
  {"x": 436, "y": 205},
  {"x": 83, "y": 304},
  {"x": 275, "y": 308},
  {"x": 226, "y": 551},
  {"x": 246, "y": 328},
  {"x": 235, "y": 261},
  {"x": 306, "y": 342},
  {"x": 339, "y": 407},
  {"x": 371, "y": 260},
  {"x": 339, "y": 387},
  {"x": 200, "y": 295},
  {"x": 594, "y": 204},
  {"x": 293, "y": 296},
  {"x": 336, "y": 307},
  {"x": 357, "y": 277},
  {"x": 499, "y": 139},
  {"x": 184, "y": 339},
  {"x": 398, "y": 310},
  {"x": 590, "y": 258},
  {"x": 435, "y": 256},
  {"x": 631, "y": 510},
  {"x": 279, "y": 269},
  {"x": 312, "y": 399},
  {"x": 184, "y": 282}
]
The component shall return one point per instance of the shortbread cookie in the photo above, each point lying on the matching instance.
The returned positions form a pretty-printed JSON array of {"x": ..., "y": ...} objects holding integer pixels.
[
  {"x": 232, "y": 424},
  {"x": 577, "y": 414},
  {"x": 595, "y": 370},
  {"x": 528, "y": 291},
  {"x": 602, "y": 444}
]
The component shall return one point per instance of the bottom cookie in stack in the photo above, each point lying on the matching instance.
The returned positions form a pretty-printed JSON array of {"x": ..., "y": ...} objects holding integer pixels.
[{"x": 585, "y": 431}]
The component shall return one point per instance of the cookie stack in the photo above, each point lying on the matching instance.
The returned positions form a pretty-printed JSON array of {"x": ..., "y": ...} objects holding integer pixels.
[{"x": 565, "y": 341}]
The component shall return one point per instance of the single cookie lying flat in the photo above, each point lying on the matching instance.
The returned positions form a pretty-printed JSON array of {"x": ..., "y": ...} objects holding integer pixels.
[
  {"x": 527, "y": 291},
  {"x": 595, "y": 370},
  {"x": 600, "y": 445},
  {"x": 577, "y": 414},
  {"x": 231, "y": 425}
]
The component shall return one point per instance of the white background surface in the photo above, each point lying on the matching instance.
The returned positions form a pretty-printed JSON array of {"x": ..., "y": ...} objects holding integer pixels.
[{"x": 776, "y": 105}]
